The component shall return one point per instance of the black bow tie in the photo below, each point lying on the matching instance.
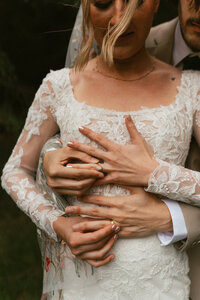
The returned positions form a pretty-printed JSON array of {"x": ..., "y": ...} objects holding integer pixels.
[{"x": 191, "y": 63}]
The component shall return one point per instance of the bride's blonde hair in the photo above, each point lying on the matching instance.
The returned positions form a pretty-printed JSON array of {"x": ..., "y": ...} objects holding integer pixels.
[{"x": 109, "y": 39}]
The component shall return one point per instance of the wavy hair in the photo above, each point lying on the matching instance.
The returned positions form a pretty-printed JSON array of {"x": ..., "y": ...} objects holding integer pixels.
[{"x": 110, "y": 37}]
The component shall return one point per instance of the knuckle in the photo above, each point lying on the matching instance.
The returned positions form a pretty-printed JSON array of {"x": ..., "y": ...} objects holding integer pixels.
[
  {"x": 51, "y": 171},
  {"x": 81, "y": 185},
  {"x": 73, "y": 243},
  {"x": 51, "y": 183},
  {"x": 74, "y": 252},
  {"x": 84, "y": 226}
]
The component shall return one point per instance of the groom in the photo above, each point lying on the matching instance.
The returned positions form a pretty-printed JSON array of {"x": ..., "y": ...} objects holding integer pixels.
[
  {"x": 178, "y": 42},
  {"x": 173, "y": 42}
]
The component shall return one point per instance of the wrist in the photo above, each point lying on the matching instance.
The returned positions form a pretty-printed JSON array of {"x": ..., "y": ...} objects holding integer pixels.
[
  {"x": 151, "y": 168},
  {"x": 60, "y": 226},
  {"x": 166, "y": 224}
]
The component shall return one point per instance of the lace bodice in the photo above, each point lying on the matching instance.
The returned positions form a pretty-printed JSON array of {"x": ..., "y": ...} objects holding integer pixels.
[{"x": 167, "y": 129}]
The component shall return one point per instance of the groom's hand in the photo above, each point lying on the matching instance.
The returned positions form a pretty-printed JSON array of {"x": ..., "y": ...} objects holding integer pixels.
[
  {"x": 92, "y": 245},
  {"x": 139, "y": 214}
]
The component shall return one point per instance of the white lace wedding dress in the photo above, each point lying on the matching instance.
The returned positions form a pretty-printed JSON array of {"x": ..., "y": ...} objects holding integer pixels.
[{"x": 142, "y": 268}]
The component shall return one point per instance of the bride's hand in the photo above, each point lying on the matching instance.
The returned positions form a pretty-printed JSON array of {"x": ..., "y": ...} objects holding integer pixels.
[
  {"x": 92, "y": 245},
  {"x": 129, "y": 164},
  {"x": 66, "y": 180},
  {"x": 139, "y": 214}
]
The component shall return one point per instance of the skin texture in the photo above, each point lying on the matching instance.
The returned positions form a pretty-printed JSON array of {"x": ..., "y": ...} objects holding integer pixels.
[
  {"x": 138, "y": 27},
  {"x": 131, "y": 215},
  {"x": 120, "y": 165},
  {"x": 190, "y": 23}
]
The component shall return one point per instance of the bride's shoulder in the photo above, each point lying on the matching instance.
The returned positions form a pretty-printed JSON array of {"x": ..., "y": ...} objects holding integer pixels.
[{"x": 58, "y": 77}]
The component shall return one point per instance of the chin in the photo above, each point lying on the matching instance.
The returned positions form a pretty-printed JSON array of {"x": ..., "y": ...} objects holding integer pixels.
[
  {"x": 192, "y": 39},
  {"x": 119, "y": 54},
  {"x": 194, "y": 43}
]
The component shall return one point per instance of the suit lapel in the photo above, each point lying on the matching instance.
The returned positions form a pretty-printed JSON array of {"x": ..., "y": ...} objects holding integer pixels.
[{"x": 160, "y": 41}]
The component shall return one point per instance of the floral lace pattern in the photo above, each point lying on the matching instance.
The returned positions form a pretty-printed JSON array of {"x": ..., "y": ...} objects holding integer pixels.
[
  {"x": 141, "y": 269},
  {"x": 18, "y": 177}
]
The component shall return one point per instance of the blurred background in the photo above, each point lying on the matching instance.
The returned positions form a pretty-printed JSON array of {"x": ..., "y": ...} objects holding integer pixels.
[{"x": 34, "y": 36}]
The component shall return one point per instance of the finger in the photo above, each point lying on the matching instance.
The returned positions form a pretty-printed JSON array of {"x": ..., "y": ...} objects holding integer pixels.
[
  {"x": 96, "y": 167},
  {"x": 97, "y": 137},
  {"x": 73, "y": 153},
  {"x": 96, "y": 236},
  {"x": 91, "y": 247},
  {"x": 66, "y": 172},
  {"x": 70, "y": 184},
  {"x": 133, "y": 132},
  {"x": 109, "y": 201},
  {"x": 83, "y": 171},
  {"x": 71, "y": 192},
  {"x": 95, "y": 152},
  {"x": 100, "y": 253},
  {"x": 91, "y": 226},
  {"x": 92, "y": 211},
  {"x": 105, "y": 180},
  {"x": 99, "y": 263}
]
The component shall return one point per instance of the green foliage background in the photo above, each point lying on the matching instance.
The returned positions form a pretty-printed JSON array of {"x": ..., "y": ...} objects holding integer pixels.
[{"x": 34, "y": 35}]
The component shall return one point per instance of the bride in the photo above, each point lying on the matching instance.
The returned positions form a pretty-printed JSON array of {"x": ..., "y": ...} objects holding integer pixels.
[{"x": 163, "y": 102}]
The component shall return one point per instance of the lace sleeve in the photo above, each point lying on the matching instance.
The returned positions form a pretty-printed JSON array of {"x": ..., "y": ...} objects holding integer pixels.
[
  {"x": 176, "y": 182},
  {"x": 75, "y": 42},
  {"x": 18, "y": 177}
]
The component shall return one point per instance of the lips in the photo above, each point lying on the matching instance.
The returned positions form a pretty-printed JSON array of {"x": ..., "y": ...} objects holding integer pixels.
[
  {"x": 196, "y": 26},
  {"x": 126, "y": 34}
]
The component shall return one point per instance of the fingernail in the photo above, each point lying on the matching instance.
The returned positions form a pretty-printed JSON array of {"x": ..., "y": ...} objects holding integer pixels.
[
  {"x": 114, "y": 227},
  {"x": 115, "y": 237},
  {"x": 101, "y": 175},
  {"x": 94, "y": 160},
  {"x": 69, "y": 209},
  {"x": 117, "y": 229},
  {"x": 70, "y": 143},
  {"x": 69, "y": 166},
  {"x": 81, "y": 128},
  {"x": 112, "y": 257}
]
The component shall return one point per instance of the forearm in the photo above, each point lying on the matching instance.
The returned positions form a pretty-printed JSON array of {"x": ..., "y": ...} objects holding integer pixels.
[{"x": 175, "y": 182}]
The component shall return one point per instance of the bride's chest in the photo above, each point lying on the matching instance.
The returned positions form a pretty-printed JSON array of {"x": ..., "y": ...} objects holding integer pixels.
[{"x": 167, "y": 129}]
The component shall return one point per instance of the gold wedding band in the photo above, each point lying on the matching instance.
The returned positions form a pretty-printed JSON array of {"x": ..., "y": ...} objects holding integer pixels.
[{"x": 113, "y": 222}]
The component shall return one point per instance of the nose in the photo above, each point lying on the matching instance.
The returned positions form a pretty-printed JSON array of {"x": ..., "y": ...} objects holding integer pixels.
[{"x": 117, "y": 12}]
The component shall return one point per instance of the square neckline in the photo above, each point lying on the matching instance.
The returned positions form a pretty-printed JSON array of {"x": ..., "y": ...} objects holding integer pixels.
[{"x": 139, "y": 111}]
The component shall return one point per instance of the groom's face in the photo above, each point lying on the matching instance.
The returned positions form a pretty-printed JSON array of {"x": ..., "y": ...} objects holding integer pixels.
[{"x": 190, "y": 23}]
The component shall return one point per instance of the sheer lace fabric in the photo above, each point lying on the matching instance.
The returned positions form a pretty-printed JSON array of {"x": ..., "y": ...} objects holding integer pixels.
[
  {"x": 19, "y": 173},
  {"x": 142, "y": 269},
  {"x": 172, "y": 180}
]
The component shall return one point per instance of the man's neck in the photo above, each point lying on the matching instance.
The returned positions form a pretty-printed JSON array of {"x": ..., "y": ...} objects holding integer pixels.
[{"x": 181, "y": 49}]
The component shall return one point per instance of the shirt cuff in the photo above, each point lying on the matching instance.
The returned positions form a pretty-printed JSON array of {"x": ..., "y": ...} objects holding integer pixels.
[{"x": 179, "y": 227}]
